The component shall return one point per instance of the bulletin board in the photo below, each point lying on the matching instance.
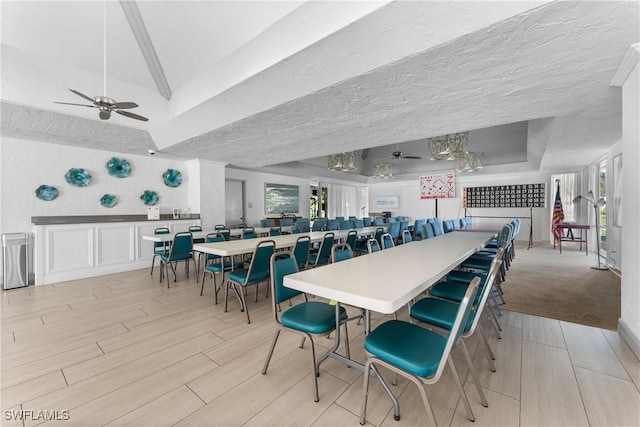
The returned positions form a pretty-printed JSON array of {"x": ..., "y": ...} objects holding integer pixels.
[
  {"x": 505, "y": 196},
  {"x": 438, "y": 186}
]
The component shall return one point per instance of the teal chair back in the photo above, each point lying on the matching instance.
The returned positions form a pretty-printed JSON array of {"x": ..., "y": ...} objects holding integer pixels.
[
  {"x": 357, "y": 223},
  {"x": 301, "y": 251},
  {"x": 182, "y": 247},
  {"x": 448, "y": 226},
  {"x": 378, "y": 221},
  {"x": 213, "y": 238},
  {"x": 267, "y": 223},
  {"x": 427, "y": 230},
  {"x": 437, "y": 228},
  {"x": 333, "y": 224},
  {"x": 259, "y": 267},
  {"x": 344, "y": 224},
  {"x": 196, "y": 228},
  {"x": 219, "y": 227},
  {"x": 406, "y": 237},
  {"x": 318, "y": 224},
  {"x": 161, "y": 230},
  {"x": 417, "y": 227},
  {"x": 285, "y": 222},
  {"x": 275, "y": 231},
  {"x": 295, "y": 230},
  {"x": 303, "y": 225},
  {"x": 341, "y": 252},
  {"x": 378, "y": 235},
  {"x": 387, "y": 241},
  {"x": 373, "y": 245},
  {"x": 394, "y": 229},
  {"x": 352, "y": 236},
  {"x": 282, "y": 264},
  {"x": 226, "y": 233},
  {"x": 366, "y": 221},
  {"x": 324, "y": 254},
  {"x": 249, "y": 233}
]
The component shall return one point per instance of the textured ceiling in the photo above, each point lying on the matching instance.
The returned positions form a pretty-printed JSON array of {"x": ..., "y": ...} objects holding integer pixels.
[{"x": 271, "y": 84}]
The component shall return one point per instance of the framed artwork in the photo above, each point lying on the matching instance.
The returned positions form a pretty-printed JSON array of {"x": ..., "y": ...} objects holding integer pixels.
[
  {"x": 616, "y": 213},
  {"x": 281, "y": 198},
  {"x": 438, "y": 186},
  {"x": 385, "y": 202}
]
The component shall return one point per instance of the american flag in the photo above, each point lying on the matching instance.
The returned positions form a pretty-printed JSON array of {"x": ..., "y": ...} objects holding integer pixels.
[{"x": 558, "y": 215}]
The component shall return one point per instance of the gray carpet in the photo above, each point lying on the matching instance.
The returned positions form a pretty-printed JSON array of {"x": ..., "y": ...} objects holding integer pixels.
[{"x": 543, "y": 282}]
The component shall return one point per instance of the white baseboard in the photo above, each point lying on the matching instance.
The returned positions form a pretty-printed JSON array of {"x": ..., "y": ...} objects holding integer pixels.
[{"x": 629, "y": 337}]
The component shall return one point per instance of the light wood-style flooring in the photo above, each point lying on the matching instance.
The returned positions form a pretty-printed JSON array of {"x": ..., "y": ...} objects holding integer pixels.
[{"x": 123, "y": 350}]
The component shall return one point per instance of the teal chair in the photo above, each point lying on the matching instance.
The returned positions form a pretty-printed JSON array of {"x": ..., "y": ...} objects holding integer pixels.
[
  {"x": 417, "y": 228},
  {"x": 393, "y": 228},
  {"x": 285, "y": 222},
  {"x": 295, "y": 230},
  {"x": 249, "y": 233},
  {"x": 159, "y": 248},
  {"x": 344, "y": 224},
  {"x": 340, "y": 252},
  {"x": 333, "y": 225},
  {"x": 318, "y": 224},
  {"x": 219, "y": 227},
  {"x": 448, "y": 226},
  {"x": 357, "y": 223},
  {"x": 267, "y": 223},
  {"x": 307, "y": 318},
  {"x": 427, "y": 231},
  {"x": 378, "y": 234},
  {"x": 366, "y": 221},
  {"x": 437, "y": 228},
  {"x": 181, "y": 250},
  {"x": 303, "y": 224},
  {"x": 437, "y": 309},
  {"x": 352, "y": 237},
  {"x": 301, "y": 251},
  {"x": 257, "y": 272},
  {"x": 275, "y": 231},
  {"x": 323, "y": 255},
  {"x": 373, "y": 246},
  {"x": 225, "y": 232},
  {"x": 215, "y": 264},
  {"x": 378, "y": 221},
  {"x": 417, "y": 354},
  {"x": 387, "y": 241},
  {"x": 406, "y": 237},
  {"x": 196, "y": 229}
]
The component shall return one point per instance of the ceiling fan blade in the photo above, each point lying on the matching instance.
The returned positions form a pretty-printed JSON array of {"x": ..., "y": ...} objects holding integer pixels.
[
  {"x": 132, "y": 115},
  {"x": 125, "y": 105},
  {"x": 79, "y": 105},
  {"x": 83, "y": 96},
  {"x": 411, "y": 157}
]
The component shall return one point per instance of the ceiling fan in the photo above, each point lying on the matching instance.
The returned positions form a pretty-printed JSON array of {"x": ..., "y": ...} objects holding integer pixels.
[
  {"x": 105, "y": 104},
  {"x": 397, "y": 155}
]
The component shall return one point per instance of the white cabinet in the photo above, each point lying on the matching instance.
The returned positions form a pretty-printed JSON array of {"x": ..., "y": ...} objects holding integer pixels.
[{"x": 75, "y": 251}]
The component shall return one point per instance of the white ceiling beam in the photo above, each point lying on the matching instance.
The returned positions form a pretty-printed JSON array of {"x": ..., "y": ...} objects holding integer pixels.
[{"x": 141, "y": 34}]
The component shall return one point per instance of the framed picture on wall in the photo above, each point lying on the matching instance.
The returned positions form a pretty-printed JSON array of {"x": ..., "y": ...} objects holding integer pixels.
[
  {"x": 385, "y": 202},
  {"x": 281, "y": 198}
]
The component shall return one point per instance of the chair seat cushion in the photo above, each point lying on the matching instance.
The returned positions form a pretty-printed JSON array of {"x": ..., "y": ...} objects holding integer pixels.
[
  {"x": 314, "y": 317},
  {"x": 217, "y": 267},
  {"x": 480, "y": 263},
  {"x": 176, "y": 257},
  {"x": 406, "y": 346},
  {"x": 162, "y": 251},
  {"x": 439, "y": 313},
  {"x": 240, "y": 276},
  {"x": 465, "y": 276}
]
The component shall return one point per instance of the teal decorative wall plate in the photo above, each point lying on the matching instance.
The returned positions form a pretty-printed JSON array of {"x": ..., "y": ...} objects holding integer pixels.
[
  {"x": 120, "y": 168},
  {"x": 149, "y": 198},
  {"x": 78, "y": 177},
  {"x": 46, "y": 193},
  {"x": 172, "y": 178},
  {"x": 108, "y": 200}
]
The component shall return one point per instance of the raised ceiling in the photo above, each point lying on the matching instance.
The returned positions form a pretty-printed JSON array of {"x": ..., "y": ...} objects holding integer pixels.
[{"x": 271, "y": 84}]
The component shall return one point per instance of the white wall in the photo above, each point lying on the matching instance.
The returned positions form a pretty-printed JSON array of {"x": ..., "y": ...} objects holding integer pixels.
[
  {"x": 629, "y": 324},
  {"x": 410, "y": 204},
  {"x": 255, "y": 186},
  {"x": 25, "y": 165}
]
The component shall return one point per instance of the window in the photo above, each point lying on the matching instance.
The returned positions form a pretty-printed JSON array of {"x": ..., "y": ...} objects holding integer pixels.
[{"x": 602, "y": 193}]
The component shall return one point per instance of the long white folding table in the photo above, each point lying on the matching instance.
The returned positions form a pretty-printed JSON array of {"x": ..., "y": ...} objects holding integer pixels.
[{"x": 387, "y": 280}]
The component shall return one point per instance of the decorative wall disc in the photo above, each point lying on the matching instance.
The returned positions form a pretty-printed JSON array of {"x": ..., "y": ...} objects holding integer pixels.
[
  {"x": 108, "y": 200},
  {"x": 120, "y": 168},
  {"x": 46, "y": 193},
  {"x": 149, "y": 198},
  {"x": 172, "y": 178},
  {"x": 78, "y": 177}
]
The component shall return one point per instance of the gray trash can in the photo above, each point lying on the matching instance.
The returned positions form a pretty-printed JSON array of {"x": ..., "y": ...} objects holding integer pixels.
[{"x": 15, "y": 260}]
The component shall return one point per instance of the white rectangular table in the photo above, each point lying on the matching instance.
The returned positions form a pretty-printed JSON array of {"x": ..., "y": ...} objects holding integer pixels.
[{"x": 386, "y": 280}]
